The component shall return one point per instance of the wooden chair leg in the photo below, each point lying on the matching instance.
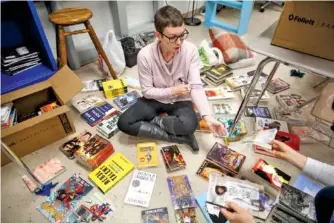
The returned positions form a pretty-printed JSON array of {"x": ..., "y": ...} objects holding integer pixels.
[
  {"x": 99, "y": 48},
  {"x": 62, "y": 54}
]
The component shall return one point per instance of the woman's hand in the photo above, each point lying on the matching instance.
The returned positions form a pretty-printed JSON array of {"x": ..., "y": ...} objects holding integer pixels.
[
  {"x": 181, "y": 90},
  {"x": 239, "y": 215},
  {"x": 214, "y": 125}
]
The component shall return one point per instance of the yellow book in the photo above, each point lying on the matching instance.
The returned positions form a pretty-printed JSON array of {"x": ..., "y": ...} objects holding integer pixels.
[
  {"x": 114, "y": 88},
  {"x": 111, "y": 171},
  {"x": 147, "y": 155}
]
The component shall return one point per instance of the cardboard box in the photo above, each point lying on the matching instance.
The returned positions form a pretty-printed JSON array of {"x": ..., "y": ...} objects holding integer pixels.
[
  {"x": 307, "y": 27},
  {"x": 32, "y": 134}
]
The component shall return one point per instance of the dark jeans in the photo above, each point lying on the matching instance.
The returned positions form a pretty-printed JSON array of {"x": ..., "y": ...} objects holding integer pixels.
[
  {"x": 324, "y": 204},
  {"x": 185, "y": 121}
]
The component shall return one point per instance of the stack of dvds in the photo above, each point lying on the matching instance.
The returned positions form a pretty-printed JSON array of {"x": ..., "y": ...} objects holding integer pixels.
[
  {"x": 8, "y": 115},
  {"x": 19, "y": 59},
  {"x": 115, "y": 88}
]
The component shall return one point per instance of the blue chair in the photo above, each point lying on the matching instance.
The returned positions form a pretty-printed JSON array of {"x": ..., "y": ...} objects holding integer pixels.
[{"x": 245, "y": 8}]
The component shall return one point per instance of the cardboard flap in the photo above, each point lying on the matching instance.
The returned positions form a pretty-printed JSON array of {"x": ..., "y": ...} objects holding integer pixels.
[{"x": 66, "y": 84}]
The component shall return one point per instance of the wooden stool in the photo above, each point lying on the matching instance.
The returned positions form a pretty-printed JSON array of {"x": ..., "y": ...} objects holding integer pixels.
[{"x": 74, "y": 16}]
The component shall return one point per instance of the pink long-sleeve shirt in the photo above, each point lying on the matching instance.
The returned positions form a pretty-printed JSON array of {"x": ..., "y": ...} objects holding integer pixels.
[{"x": 157, "y": 77}]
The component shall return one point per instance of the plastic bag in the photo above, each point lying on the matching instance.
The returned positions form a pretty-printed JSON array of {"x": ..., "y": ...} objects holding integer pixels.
[
  {"x": 209, "y": 56},
  {"x": 114, "y": 51}
]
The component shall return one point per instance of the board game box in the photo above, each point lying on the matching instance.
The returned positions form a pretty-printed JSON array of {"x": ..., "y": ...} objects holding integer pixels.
[
  {"x": 147, "y": 155},
  {"x": 267, "y": 123},
  {"x": 69, "y": 147},
  {"x": 157, "y": 215},
  {"x": 277, "y": 85},
  {"x": 124, "y": 102},
  {"x": 181, "y": 193},
  {"x": 254, "y": 111},
  {"x": 173, "y": 158},
  {"x": 208, "y": 167}
]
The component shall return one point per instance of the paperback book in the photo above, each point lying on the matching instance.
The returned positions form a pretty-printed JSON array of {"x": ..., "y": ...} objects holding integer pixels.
[
  {"x": 238, "y": 82},
  {"x": 69, "y": 147},
  {"x": 111, "y": 171},
  {"x": 126, "y": 101},
  {"x": 219, "y": 93},
  {"x": 93, "y": 85},
  {"x": 147, "y": 155},
  {"x": 173, "y": 158},
  {"x": 218, "y": 73},
  {"x": 267, "y": 123},
  {"x": 96, "y": 114},
  {"x": 290, "y": 101},
  {"x": 255, "y": 94},
  {"x": 108, "y": 127},
  {"x": 292, "y": 117},
  {"x": 85, "y": 103},
  {"x": 157, "y": 215},
  {"x": 186, "y": 215},
  {"x": 208, "y": 167},
  {"x": 181, "y": 193},
  {"x": 270, "y": 174},
  {"x": 66, "y": 198},
  {"x": 277, "y": 85},
  {"x": 239, "y": 131},
  {"x": 254, "y": 111},
  {"x": 211, "y": 212},
  {"x": 115, "y": 88},
  {"x": 264, "y": 137},
  {"x": 225, "y": 108},
  {"x": 228, "y": 159},
  {"x": 210, "y": 81}
]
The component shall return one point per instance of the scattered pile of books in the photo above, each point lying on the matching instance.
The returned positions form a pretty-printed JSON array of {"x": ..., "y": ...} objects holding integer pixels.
[
  {"x": 216, "y": 75},
  {"x": 115, "y": 88},
  {"x": 14, "y": 61},
  {"x": 108, "y": 127},
  {"x": 8, "y": 115}
]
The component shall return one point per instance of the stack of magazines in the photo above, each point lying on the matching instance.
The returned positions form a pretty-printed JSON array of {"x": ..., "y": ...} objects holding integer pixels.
[{"x": 14, "y": 61}]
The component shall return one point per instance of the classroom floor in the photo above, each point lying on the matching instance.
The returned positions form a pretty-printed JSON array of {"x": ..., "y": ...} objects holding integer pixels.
[{"x": 19, "y": 205}]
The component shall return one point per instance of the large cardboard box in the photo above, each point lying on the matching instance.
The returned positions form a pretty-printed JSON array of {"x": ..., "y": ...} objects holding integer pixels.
[
  {"x": 307, "y": 27},
  {"x": 39, "y": 131}
]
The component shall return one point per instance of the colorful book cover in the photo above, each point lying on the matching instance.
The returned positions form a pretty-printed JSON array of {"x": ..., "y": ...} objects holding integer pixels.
[
  {"x": 157, "y": 215},
  {"x": 254, "y": 111},
  {"x": 264, "y": 137},
  {"x": 240, "y": 129},
  {"x": 94, "y": 208},
  {"x": 96, "y": 114},
  {"x": 225, "y": 108},
  {"x": 290, "y": 101},
  {"x": 69, "y": 147},
  {"x": 226, "y": 158},
  {"x": 147, "y": 155},
  {"x": 140, "y": 189},
  {"x": 270, "y": 173},
  {"x": 111, "y": 171},
  {"x": 187, "y": 215},
  {"x": 173, "y": 158},
  {"x": 87, "y": 102},
  {"x": 211, "y": 212},
  {"x": 255, "y": 94},
  {"x": 219, "y": 71},
  {"x": 237, "y": 82},
  {"x": 267, "y": 123},
  {"x": 209, "y": 167},
  {"x": 202, "y": 125},
  {"x": 219, "y": 93},
  {"x": 125, "y": 101},
  {"x": 277, "y": 85},
  {"x": 114, "y": 88},
  {"x": 94, "y": 152},
  {"x": 108, "y": 127},
  {"x": 66, "y": 198},
  {"x": 292, "y": 117},
  {"x": 181, "y": 193}
]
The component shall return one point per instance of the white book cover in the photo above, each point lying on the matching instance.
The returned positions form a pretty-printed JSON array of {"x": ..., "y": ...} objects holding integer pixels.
[
  {"x": 140, "y": 189},
  {"x": 84, "y": 103},
  {"x": 225, "y": 108},
  {"x": 267, "y": 123},
  {"x": 132, "y": 82},
  {"x": 90, "y": 86},
  {"x": 219, "y": 93},
  {"x": 263, "y": 138}
]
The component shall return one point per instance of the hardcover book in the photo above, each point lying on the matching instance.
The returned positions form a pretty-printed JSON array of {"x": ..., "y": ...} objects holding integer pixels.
[
  {"x": 111, "y": 171},
  {"x": 85, "y": 103},
  {"x": 181, "y": 193},
  {"x": 255, "y": 94},
  {"x": 278, "y": 85},
  {"x": 254, "y": 111},
  {"x": 126, "y": 101},
  {"x": 219, "y": 93},
  {"x": 147, "y": 155},
  {"x": 108, "y": 127},
  {"x": 270, "y": 174},
  {"x": 290, "y": 101},
  {"x": 227, "y": 158},
  {"x": 267, "y": 123},
  {"x": 186, "y": 215},
  {"x": 94, "y": 152},
  {"x": 66, "y": 198},
  {"x": 140, "y": 189},
  {"x": 208, "y": 167},
  {"x": 157, "y": 215},
  {"x": 173, "y": 158},
  {"x": 114, "y": 88},
  {"x": 69, "y": 147},
  {"x": 225, "y": 108}
]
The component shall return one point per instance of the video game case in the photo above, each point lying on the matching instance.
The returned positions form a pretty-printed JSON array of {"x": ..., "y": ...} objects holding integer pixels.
[
  {"x": 173, "y": 158},
  {"x": 155, "y": 215},
  {"x": 147, "y": 155}
]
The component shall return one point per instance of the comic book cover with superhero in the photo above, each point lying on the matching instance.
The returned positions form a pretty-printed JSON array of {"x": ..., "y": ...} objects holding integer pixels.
[
  {"x": 181, "y": 193},
  {"x": 173, "y": 158},
  {"x": 66, "y": 198},
  {"x": 226, "y": 158},
  {"x": 94, "y": 208},
  {"x": 69, "y": 147},
  {"x": 157, "y": 215},
  {"x": 187, "y": 215}
]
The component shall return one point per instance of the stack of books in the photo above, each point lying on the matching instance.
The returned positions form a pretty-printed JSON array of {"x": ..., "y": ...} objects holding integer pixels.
[
  {"x": 98, "y": 113},
  {"x": 217, "y": 75},
  {"x": 8, "y": 115},
  {"x": 108, "y": 127},
  {"x": 14, "y": 61},
  {"x": 115, "y": 88}
]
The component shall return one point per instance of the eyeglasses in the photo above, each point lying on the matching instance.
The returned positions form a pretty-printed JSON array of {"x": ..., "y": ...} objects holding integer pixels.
[{"x": 173, "y": 39}]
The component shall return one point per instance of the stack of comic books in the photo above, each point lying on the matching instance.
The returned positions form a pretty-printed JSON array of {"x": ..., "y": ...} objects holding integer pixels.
[
  {"x": 147, "y": 155},
  {"x": 140, "y": 189},
  {"x": 115, "y": 88},
  {"x": 183, "y": 199},
  {"x": 222, "y": 160},
  {"x": 123, "y": 102},
  {"x": 108, "y": 127},
  {"x": 278, "y": 85},
  {"x": 155, "y": 215},
  {"x": 217, "y": 75},
  {"x": 173, "y": 158},
  {"x": 219, "y": 93}
]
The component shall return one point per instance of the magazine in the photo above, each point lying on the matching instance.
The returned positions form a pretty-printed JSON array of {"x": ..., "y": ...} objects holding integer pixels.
[
  {"x": 219, "y": 93},
  {"x": 125, "y": 101},
  {"x": 267, "y": 123},
  {"x": 140, "y": 189},
  {"x": 225, "y": 108},
  {"x": 147, "y": 155},
  {"x": 87, "y": 102},
  {"x": 173, "y": 158},
  {"x": 254, "y": 111},
  {"x": 157, "y": 215},
  {"x": 277, "y": 85}
]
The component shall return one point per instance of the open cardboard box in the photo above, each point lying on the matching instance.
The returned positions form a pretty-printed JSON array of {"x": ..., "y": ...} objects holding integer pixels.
[{"x": 32, "y": 134}]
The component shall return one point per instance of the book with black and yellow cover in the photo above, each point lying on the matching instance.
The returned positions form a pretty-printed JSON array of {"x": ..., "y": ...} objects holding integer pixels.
[
  {"x": 147, "y": 154},
  {"x": 114, "y": 88},
  {"x": 111, "y": 171}
]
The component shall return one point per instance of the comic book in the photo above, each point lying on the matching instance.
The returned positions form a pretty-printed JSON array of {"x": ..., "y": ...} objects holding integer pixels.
[
  {"x": 187, "y": 215},
  {"x": 157, "y": 215},
  {"x": 267, "y": 123},
  {"x": 270, "y": 174},
  {"x": 94, "y": 152},
  {"x": 173, "y": 158},
  {"x": 66, "y": 198},
  {"x": 69, "y": 147},
  {"x": 181, "y": 193},
  {"x": 219, "y": 93},
  {"x": 208, "y": 167},
  {"x": 93, "y": 208},
  {"x": 277, "y": 85},
  {"x": 225, "y": 108},
  {"x": 124, "y": 102},
  {"x": 140, "y": 189},
  {"x": 255, "y": 111},
  {"x": 108, "y": 127},
  {"x": 292, "y": 117},
  {"x": 264, "y": 137},
  {"x": 228, "y": 159},
  {"x": 114, "y": 88},
  {"x": 85, "y": 103},
  {"x": 290, "y": 101},
  {"x": 147, "y": 155}
]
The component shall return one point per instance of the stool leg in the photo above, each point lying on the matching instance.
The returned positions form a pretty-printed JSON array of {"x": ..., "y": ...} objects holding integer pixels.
[
  {"x": 99, "y": 48},
  {"x": 61, "y": 47}
]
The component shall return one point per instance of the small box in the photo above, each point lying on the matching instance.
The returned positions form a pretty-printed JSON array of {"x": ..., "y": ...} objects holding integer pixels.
[
  {"x": 307, "y": 26},
  {"x": 36, "y": 132}
]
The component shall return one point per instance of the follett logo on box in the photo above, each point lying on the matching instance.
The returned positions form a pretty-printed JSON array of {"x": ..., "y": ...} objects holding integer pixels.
[{"x": 297, "y": 18}]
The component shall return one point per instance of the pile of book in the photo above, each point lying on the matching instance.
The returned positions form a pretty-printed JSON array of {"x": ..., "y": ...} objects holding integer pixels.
[
  {"x": 216, "y": 75},
  {"x": 14, "y": 61},
  {"x": 8, "y": 115},
  {"x": 108, "y": 127},
  {"x": 115, "y": 88}
]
